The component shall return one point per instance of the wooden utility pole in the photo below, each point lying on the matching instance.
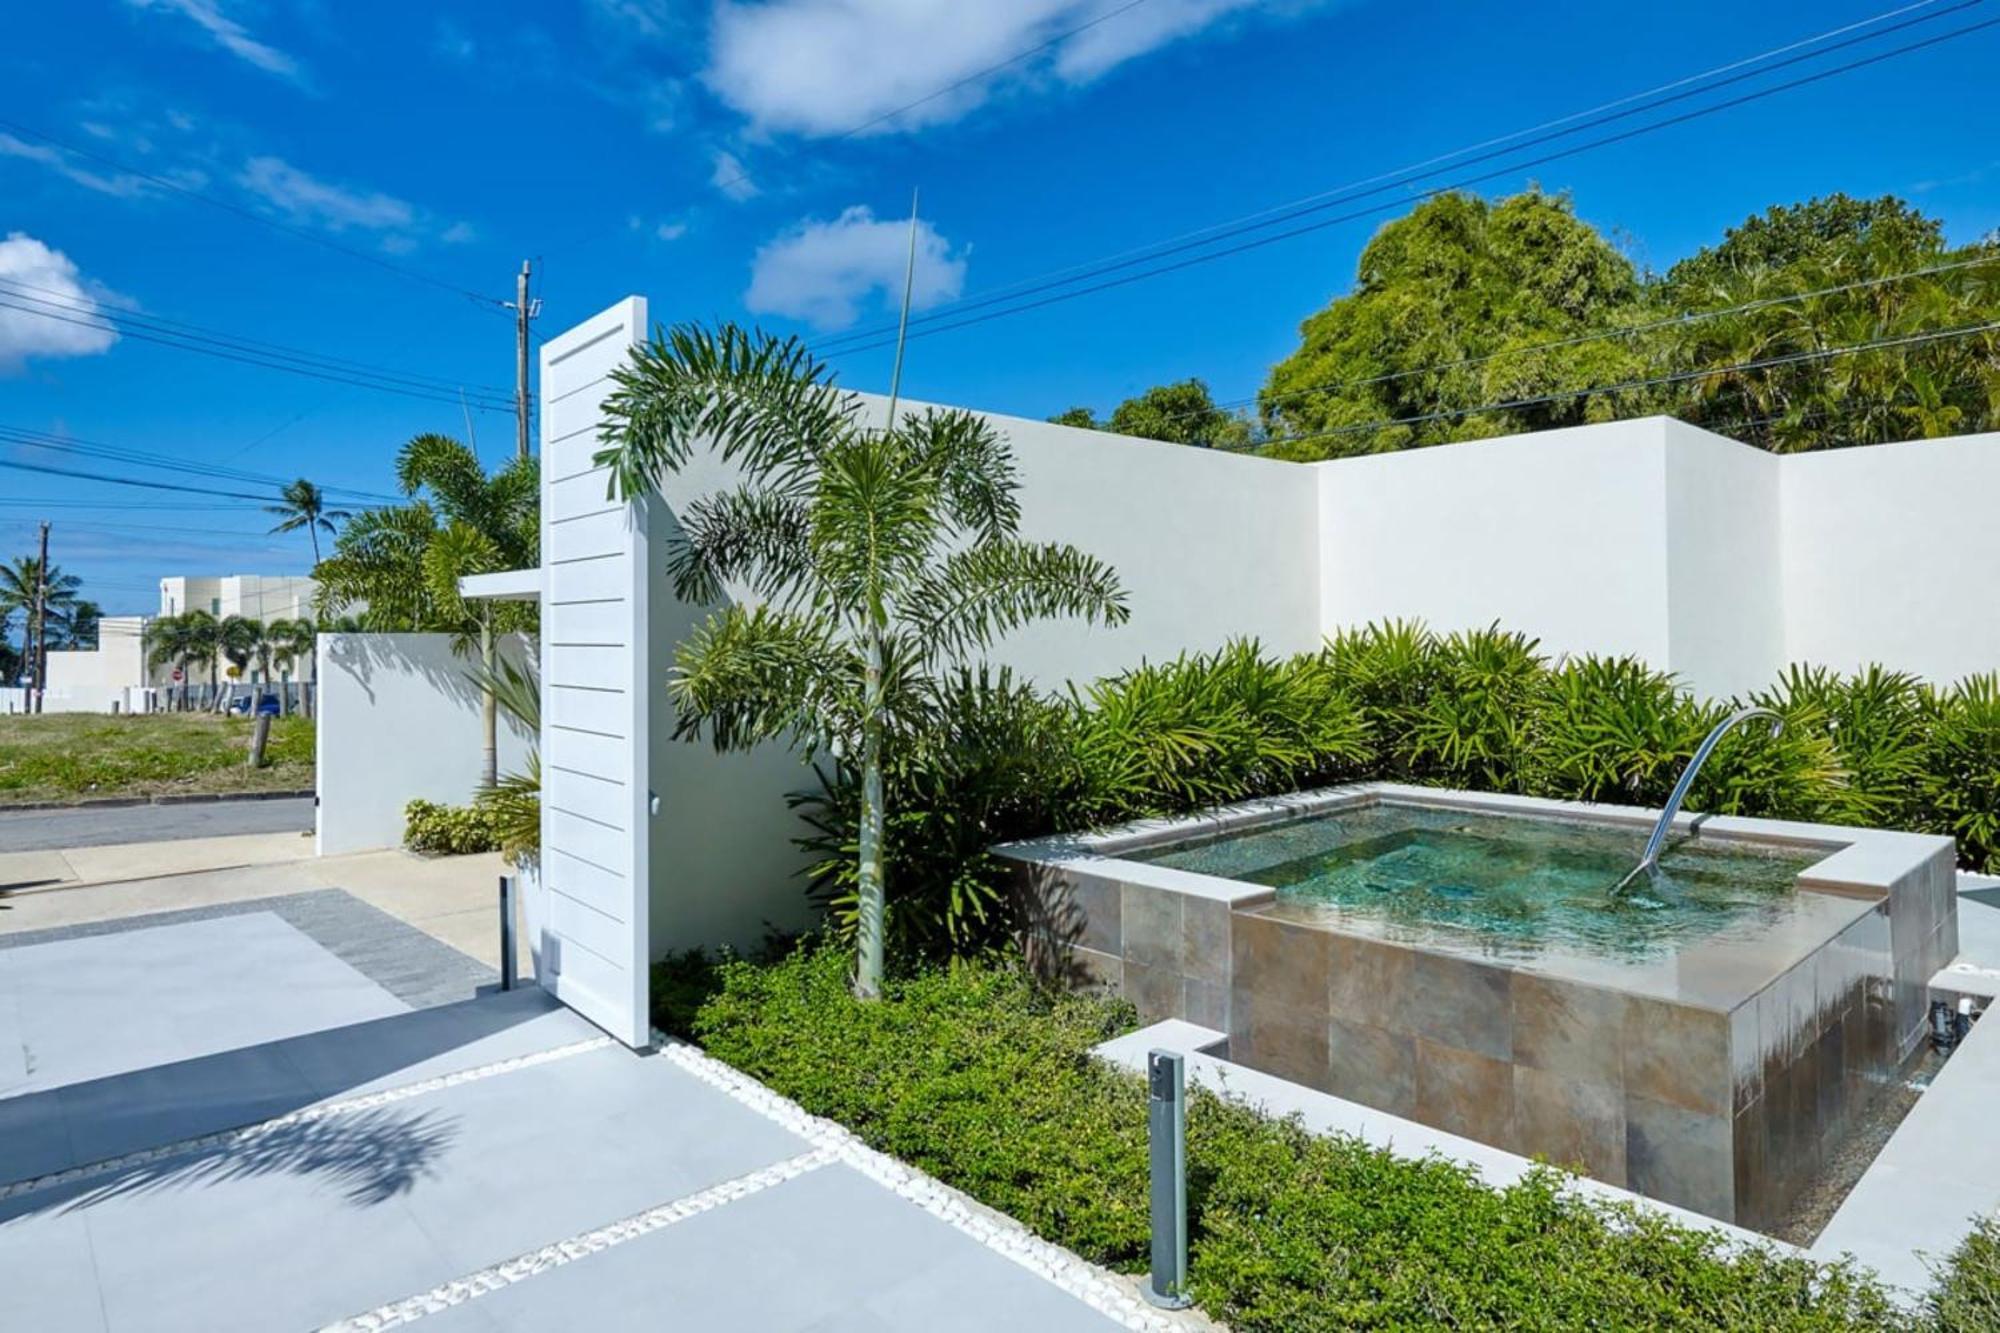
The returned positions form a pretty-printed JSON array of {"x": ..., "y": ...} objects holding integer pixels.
[
  {"x": 524, "y": 310},
  {"x": 42, "y": 622}
]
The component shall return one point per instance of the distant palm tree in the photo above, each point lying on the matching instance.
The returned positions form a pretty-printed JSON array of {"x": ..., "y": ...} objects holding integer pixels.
[
  {"x": 75, "y": 626},
  {"x": 20, "y": 584},
  {"x": 292, "y": 642},
  {"x": 180, "y": 642},
  {"x": 303, "y": 505}
]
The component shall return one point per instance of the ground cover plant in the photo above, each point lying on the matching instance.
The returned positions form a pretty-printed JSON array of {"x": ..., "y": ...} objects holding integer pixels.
[
  {"x": 1485, "y": 710},
  {"x": 77, "y": 756},
  {"x": 979, "y": 1076}
]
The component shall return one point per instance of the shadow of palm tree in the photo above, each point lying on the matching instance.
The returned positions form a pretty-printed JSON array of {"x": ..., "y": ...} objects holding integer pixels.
[{"x": 372, "y": 1156}]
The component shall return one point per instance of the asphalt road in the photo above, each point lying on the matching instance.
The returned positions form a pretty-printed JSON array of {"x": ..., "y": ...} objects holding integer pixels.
[{"x": 98, "y": 826}]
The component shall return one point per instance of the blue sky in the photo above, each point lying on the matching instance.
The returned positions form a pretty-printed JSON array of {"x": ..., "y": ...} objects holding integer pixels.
[{"x": 697, "y": 153}]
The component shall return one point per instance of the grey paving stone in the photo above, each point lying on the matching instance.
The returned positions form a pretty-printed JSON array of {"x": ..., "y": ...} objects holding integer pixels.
[
  {"x": 48, "y": 1278},
  {"x": 428, "y": 1043},
  {"x": 34, "y": 1138},
  {"x": 830, "y": 1250},
  {"x": 148, "y": 1108}
]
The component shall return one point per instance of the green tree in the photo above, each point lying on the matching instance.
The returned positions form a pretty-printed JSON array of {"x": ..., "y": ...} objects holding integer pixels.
[
  {"x": 1450, "y": 310},
  {"x": 180, "y": 642},
  {"x": 75, "y": 625},
  {"x": 877, "y": 558},
  {"x": 20, "y": 584},
  {"x": 303, "y": 505},
  {"x": 404, "y": 561},
  {"x": 292, "y": 643},
  {"x": 1183, "y": 412}
]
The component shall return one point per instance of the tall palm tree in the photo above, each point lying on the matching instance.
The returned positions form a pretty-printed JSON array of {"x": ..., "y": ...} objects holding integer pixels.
[
  {"x": 180, "y": 642},
  {"x": 880, "y": 558},
  {"x": 293, "y": 642},
  {"x": 303, "y": 505},
  {"x": 20, "y": 590},
  {"x": 404, "y": 562}
]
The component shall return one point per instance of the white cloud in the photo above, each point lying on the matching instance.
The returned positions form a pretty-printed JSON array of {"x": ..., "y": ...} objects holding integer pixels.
[
  {"x": 306, "y": 198},
  {"x": 822, "y": 272},
  {"x": 230, "y": 35},
  {"x": 821, "y": 67},
  {"x": 54, "y": 278},
  {"x": 121, "y": 184},
  {"x": 459, "y": 233},
  {"x": 670, "y": 231},
  {"x": 732, "y": 178}
]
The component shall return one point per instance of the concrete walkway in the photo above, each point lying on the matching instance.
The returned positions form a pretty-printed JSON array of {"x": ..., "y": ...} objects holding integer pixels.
[
  {"x": 98, "y": 825},
  {"x": 260, "y": 1114}
]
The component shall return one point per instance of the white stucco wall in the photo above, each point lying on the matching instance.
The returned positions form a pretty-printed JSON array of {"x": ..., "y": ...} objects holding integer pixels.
[
  {"x": 91, "y": 680},
  {"x": 1725, "y": 568},
  {"x": 1561, "y": 535},
  {"x": 398, "y": 718},
  {"x": 1892, "y": 554}
]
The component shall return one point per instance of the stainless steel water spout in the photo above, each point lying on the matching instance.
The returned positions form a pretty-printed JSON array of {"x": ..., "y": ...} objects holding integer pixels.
[{"x": 1649, "y": 863}]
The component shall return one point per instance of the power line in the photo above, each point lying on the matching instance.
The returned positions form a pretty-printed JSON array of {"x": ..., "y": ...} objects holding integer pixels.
[
  {"x": 128, "y": 481},
  {"x": 69, "y": 303},
  {"x": 1655, "y": 381},
  {"x": 105, "y": 321},
  {"x": 36, "y": 439},
  {"x": 1399, "y": 202},
  {"x": 248, "y": 214}
]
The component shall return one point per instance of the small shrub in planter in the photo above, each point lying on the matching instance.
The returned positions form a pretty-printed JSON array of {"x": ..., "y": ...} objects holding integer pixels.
[{"x": 448, "y": 830}]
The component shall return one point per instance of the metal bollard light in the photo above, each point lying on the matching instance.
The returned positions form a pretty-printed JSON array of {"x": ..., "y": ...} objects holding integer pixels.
[
  {"x": 1166, "y": 1126},
  {"x": 506, "y": 932}
]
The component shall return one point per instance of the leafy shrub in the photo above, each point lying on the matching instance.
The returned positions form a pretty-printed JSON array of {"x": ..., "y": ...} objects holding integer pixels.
[
  {"x": 448, "y": 830},
  {"x": 1473, "y": 729},
  {"x": 981, "y": 1078},
  {"x": 1967, "y": 1296},
  {"x": 1392, "y": 672},
  {"x": 1961, "y": 778},
  {"x": 1875, "y": 721}
]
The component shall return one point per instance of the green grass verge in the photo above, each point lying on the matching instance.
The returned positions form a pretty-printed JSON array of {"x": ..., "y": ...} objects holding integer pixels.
[
  {"x": 985, "y": 1080},
  {"x": 76, "y": 756}
]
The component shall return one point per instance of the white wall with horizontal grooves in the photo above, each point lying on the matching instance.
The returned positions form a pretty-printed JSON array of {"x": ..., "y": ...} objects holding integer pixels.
[
  {"x": 595, "y": 687},
  {"x": 1892, "y": 555},
  {"x": 398, "y": 719},
  {"x": 1561, "y": 535}
]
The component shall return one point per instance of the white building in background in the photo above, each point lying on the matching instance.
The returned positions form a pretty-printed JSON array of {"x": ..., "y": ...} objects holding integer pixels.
[
  {"x": 114, "y": 676},
  {"x": 263, "y": 597}
]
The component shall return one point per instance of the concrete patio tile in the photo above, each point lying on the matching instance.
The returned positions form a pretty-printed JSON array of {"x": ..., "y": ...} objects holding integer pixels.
[
  {"x": 34, "y": 1138},
  {"x": 547, "y": 1152},
  {"x": 50, "y": 1280},
  {"x": 100, "y": 1005},
  {"x": 148, "y": 1108},
  {"x": 830, "y": 1250},
  {"x": 429, "y": 1043}
]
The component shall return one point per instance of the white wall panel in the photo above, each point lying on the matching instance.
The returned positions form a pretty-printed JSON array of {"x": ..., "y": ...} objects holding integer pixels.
[{"x": 595, "y": 948}]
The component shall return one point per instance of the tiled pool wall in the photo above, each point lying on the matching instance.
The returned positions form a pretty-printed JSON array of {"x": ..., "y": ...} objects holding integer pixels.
[{"x": 1725, "y": 1108}]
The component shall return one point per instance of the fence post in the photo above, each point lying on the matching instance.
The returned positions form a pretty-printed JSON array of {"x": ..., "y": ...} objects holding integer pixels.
[{"x": 1166, "y": 1136}]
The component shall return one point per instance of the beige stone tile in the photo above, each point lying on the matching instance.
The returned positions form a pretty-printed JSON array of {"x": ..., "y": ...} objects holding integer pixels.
[
  {"x": 1572, "y": 1122},
  {"x": 1677, "y": 1055},
  {"x": 1564, "y": 1028},
  {"x": 1465, "y": 1093},
  {"x": 1461, "y": 1003},
  {"x": 1373, "y": 1066}
]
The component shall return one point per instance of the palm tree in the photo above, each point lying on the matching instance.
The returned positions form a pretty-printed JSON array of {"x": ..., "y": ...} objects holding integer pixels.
[
  {"x": 292, "y": 642},
  {"x": 880, "y": 557},
  {"x": 20, "y": 590},
  {"x": 303, "y": 505},
  {"x": 404, "y": 562},
  {"x": 180, "y": 642},
  {"x": 75, "y": 626}
]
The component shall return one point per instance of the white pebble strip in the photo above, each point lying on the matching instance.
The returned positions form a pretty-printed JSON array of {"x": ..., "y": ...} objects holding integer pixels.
[
  {"x": 1099, "y": 1290},
  {"x": 524, "y": 1266},
  {"x": 232, "y": 1138}
]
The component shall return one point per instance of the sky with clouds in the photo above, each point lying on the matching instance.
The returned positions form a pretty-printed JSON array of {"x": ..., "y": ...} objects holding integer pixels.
[{"x": 361, "y": 180}]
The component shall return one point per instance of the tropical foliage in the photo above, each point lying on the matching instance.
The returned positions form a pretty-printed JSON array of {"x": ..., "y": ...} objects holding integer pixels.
[
  {"x": 881, "y": 557},
  {"x": 303, "y": 505},
  {"x": 71, "y": 620},
  {"x": 1471, "y": 318},
  {"x": 402, "y": 563},
  {"x": 1483, "y": 710},
  {"x": 1183, "y": 412},
  {"x": 981, "y": 1078}
]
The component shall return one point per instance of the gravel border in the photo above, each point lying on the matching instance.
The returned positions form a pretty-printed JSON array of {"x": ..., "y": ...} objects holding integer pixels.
[{"x": 416, "y": 968}]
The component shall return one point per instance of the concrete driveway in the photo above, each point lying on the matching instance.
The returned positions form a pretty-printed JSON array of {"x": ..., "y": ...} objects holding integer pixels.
[{"x": 297, "y": 1112}]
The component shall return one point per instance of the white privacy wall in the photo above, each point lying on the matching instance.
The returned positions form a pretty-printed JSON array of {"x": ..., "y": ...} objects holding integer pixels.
[
  {"x": 1892, "y": 554},
  {"x": 398, "y": 719},
  {"x": 595, "y": 794},
  {"x": 1725, "y": 571}
]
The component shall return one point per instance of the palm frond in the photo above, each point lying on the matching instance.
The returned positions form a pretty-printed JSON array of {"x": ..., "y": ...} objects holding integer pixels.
[{"x": 982, "y": 592}]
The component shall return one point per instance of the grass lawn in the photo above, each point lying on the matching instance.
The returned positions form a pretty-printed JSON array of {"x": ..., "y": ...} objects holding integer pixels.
[{"x": 75, "y": 756}]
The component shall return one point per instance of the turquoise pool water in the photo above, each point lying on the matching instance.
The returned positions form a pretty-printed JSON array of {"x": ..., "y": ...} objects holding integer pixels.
[{"x": 1517, "y": 880}]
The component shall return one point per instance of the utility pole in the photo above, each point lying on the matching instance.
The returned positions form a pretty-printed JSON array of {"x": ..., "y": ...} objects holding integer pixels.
[
  {"x": 42, "y": 621},
  {"x": 524, "y": 310}
]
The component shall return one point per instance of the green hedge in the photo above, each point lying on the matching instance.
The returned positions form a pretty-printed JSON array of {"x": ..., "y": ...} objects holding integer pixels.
[
  {"x": 449, "y": 830},
  {"x": 984, "y": 1080},
  {"x": 1485, "y": 710}
]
